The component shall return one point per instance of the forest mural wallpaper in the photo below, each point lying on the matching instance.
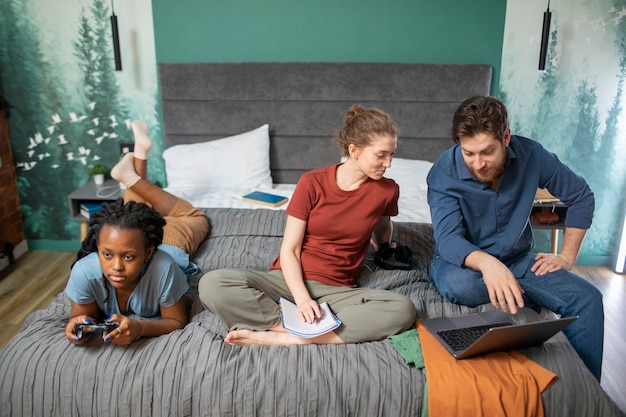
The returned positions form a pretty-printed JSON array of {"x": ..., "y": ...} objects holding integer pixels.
[
  {"x": 69, "y": 108},
  {"x": 576, "y": 107}
]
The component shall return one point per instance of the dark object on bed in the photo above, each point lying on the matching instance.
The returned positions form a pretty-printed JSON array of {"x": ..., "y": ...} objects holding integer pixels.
[
  {"x": 192, "y": 372},
  {"x": 393, "y": 257}
]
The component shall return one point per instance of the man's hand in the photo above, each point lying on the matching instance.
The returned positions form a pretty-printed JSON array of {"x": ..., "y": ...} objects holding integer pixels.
[
  {"x": 504, "y": 290},
  {"x": 549, "y": 262}
]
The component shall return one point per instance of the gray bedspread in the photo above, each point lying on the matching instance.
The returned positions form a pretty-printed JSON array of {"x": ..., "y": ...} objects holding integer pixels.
[{"x": 192, "y": 372}]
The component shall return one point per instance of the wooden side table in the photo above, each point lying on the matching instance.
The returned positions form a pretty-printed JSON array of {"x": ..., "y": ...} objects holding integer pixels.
[
  {"x": 547, "y": 203},
  {"x": 91, "y": 193}
]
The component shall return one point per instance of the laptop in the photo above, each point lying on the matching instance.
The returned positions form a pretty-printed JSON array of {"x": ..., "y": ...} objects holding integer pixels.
[{"x": 491, "y": 331}]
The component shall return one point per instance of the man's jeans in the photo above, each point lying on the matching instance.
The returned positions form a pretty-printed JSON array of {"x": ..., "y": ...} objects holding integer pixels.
[{"x": 562, "y": 292}]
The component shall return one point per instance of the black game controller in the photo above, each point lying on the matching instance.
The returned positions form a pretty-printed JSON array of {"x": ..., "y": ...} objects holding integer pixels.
[{"x": 105, "y": 328}]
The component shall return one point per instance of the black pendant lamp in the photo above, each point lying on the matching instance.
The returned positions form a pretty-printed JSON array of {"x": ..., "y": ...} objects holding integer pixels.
[
  {"x": 116, "y": 40},
  {"x": 545, "y": 36}
]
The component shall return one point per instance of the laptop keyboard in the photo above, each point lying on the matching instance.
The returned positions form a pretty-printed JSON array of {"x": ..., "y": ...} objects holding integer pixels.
[{"x": 460, "y": 339}]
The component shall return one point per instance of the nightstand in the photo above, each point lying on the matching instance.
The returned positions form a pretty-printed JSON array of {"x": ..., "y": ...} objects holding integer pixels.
[
  {"x": 553, "y": 211},
  {"x": 92, "y": 193}
]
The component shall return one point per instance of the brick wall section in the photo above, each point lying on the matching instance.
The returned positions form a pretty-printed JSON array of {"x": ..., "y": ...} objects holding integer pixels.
[{"x": 11, "y": 226}]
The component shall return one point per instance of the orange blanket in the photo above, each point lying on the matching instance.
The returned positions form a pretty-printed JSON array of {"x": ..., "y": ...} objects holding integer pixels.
[{"x": 498, "y": 384}]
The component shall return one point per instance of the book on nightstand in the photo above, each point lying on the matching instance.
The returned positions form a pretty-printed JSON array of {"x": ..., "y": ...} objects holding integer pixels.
[
  {"x": 88, "y": 209},
  {"x": 267, "y": 199},
  {"x": 297, "y": 327},
  {"x": 543, "y": 196}
]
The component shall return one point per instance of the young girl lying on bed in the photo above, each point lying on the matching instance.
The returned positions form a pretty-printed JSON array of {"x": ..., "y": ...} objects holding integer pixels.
[
  {"x": 333, "y": 215},
  {"x": 134, "y": 262}
]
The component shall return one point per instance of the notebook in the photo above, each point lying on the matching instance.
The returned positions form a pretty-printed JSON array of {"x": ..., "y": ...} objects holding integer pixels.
[
  {"x": 267, "y": 199},
  {"x": 491, "y": 331},
  {"x": 292, "y": 322}
]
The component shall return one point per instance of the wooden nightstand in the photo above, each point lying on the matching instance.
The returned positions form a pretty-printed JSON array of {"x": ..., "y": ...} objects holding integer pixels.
[
  {"x": 545, "y": 203},
  {"x": 91, "y": 193}
]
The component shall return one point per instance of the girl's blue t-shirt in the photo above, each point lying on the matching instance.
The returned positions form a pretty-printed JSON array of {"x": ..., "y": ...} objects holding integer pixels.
[{"x": 162, "y": 283}]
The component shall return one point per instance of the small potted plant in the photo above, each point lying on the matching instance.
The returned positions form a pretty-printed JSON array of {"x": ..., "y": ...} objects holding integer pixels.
[{"x": 97, "y": 171}]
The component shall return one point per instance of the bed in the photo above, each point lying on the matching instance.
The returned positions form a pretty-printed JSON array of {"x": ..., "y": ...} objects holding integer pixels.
[{"x": 257, "y": 126}]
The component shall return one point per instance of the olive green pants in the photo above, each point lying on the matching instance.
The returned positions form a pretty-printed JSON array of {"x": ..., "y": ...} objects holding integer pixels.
[{"x": 245, "y": 299}]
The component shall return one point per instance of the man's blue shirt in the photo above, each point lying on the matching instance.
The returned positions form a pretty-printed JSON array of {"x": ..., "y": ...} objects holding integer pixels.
[{"x": 468, "y": 215}]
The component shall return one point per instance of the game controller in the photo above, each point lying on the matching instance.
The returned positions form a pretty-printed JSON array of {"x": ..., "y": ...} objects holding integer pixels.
[{"x": 105, "y": 328}]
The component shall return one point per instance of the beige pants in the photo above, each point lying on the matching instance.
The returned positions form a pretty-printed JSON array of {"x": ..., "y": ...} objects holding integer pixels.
[
  {"x": 186, "y": 227},
  {"x": 245, "y": 299}
]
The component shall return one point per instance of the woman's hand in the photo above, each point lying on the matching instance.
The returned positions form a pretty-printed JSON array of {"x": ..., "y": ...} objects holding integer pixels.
[
  {"x": 309, "y": 311},
  {"x": 70, "y": 329},
  {"x": 128, "y": 330}
]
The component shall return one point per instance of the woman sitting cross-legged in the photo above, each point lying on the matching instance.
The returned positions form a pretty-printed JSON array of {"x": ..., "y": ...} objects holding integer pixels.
[{"x": 334, "y": 213}]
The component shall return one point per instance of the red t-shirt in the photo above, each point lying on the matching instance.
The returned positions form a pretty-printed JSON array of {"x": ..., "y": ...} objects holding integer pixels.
[{"x": 339, "y": 223}]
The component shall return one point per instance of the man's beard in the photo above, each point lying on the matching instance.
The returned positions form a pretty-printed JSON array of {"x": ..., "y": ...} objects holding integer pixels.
[{"x": 493, "y": 174}]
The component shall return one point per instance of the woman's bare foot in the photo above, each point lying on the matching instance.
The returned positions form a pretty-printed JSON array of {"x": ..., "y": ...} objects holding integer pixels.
[
  {"x": 246, "y": 337},
  {"x": 263, "y": 337}
]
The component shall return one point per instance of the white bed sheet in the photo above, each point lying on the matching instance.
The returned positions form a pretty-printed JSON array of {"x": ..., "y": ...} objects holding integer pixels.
[
  {"x": 412, "y": 208},
  {"x": 229, "y": 197}
]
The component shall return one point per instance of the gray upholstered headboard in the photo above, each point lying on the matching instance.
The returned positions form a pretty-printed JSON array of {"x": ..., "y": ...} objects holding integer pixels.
[{"x": 304, "y": 105}]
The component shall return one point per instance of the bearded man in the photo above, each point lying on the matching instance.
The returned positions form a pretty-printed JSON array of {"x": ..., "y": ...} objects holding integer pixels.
[{"x": 481, "y": 193}]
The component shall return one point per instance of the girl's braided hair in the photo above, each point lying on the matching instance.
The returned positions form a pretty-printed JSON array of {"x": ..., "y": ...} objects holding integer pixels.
[{"x": 131, "y": 215}]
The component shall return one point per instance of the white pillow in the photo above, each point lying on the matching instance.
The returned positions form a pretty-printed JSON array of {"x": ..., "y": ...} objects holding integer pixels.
[
  {"x": 410, "y": 174},
  {"x": 236, "y": 161}
]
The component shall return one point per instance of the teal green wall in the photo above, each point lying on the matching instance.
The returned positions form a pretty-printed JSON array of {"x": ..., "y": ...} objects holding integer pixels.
[
  {"x": 443, "y": 31},
  {"x": 50, "y": 87},
  {"x": 577, "y": 107},
  {"x": 50, "y": 81},
  {"x": 67, "y": 106}
]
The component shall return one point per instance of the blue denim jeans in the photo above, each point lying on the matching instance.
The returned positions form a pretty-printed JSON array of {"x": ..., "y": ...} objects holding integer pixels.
[{"x": 562, "y": 292}]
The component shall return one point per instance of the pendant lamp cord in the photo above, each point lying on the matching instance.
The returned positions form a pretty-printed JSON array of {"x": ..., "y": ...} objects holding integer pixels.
[{"x": 116, "y": 40}]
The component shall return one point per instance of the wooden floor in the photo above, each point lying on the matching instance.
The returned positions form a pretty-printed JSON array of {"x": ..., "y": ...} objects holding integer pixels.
[
  {"x": 28, "y": 285},
  {"x": 38, "y": 276}
]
